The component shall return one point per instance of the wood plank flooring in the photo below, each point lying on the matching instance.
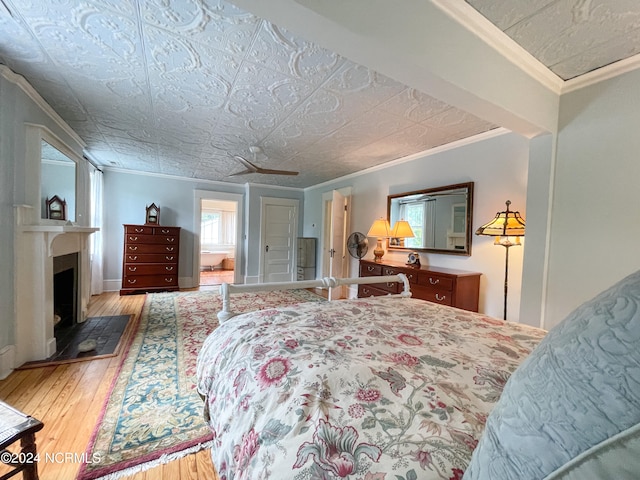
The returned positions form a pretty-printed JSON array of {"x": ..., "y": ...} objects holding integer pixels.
[{"x": 68, "y": 398}]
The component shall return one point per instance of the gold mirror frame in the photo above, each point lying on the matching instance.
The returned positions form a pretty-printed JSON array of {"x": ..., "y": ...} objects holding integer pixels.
[{"x": 446, "y": 235}]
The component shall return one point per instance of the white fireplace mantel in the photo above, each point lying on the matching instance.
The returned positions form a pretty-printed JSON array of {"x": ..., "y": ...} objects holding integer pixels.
[
  {"x": 62, "y": 239},
  {"x": 36, "y": 246}
]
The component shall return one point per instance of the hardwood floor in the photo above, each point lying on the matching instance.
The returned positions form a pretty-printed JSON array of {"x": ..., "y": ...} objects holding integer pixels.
[{"x": 68, "y": 398}]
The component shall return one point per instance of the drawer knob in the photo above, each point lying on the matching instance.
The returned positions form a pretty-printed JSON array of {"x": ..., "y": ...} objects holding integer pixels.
[
  {"x": 165, "y": 231},
  {"x": 139, "y": 230},
  {"x": 132, "y": 281},
  {"x": 170, "y": 249},
  {"x": 133, "y": 257},
  {"x": 168, "y": 269},
  {"x": 133, "y": 239},
  {"x": 440, "y": 298},
  {"x": 171, "y": 239},
  {"x": 133, "y": 269},
  {"x": 133, "y": 247},
  {"x": 169, "y": 257},
  {"x": 434, "y": 281},
  {"x": 168, "y": 279}
]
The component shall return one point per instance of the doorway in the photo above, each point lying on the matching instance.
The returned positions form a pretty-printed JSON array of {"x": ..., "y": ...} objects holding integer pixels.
[{"x": 218, "y": 223}]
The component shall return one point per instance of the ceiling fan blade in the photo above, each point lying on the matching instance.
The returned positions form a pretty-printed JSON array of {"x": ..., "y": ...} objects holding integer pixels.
[
  {"x": 251, "y": 168},
  {"x": 269, "y": 171},
  {"x": 243, "y": 172}
]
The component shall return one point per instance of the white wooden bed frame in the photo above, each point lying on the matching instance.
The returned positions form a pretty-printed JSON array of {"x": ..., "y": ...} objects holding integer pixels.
[{"x": 327, "y": 282}]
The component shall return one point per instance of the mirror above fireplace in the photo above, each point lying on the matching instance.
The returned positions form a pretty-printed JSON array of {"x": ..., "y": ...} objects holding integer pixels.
[
  {"x": 440, "y": 217},
  {"x": 58, "y": 178}
]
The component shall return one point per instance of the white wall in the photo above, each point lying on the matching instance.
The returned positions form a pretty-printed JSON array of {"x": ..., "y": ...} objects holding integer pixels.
[
  {"x": 127, "y": 194},
  {"x": 498, "y": 167},
  {"x": 596, "y": 208}
]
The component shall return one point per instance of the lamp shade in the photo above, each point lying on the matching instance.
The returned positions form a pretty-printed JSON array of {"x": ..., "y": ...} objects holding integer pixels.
[
  {"x": 380, "y": 229},
  {"x": 402, "y": 229},
  {"x": 505, "y": 224}
]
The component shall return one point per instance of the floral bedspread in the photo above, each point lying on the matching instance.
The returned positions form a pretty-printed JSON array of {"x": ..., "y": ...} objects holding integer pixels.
[{"x": 382, "y": 388}]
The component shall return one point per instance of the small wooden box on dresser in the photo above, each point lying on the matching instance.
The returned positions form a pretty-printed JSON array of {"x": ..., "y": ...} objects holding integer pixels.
[
  {"x": 456, "y": 288},
  {"x": 150, "y": 260}
]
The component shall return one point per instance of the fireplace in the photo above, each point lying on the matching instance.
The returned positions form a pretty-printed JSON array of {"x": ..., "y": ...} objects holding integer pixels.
[
  {"x": 65, "y": 290},
  {"x": 47, "y": 255}
]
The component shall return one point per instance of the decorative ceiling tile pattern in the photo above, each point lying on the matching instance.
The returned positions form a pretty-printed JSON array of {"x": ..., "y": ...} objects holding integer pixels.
[
  {"x": 181, "y": 86},
  {"x": 570, "y": 37}
]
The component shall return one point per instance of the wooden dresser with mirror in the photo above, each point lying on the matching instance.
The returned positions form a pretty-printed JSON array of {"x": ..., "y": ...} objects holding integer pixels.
[{"x": 456, "y": 288}]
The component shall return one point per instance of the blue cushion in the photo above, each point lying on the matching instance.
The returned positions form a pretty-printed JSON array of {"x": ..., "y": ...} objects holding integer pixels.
[{"x": 577, "y": 389}]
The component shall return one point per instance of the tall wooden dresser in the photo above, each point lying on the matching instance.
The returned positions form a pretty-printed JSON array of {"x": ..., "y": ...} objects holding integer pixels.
[
  {"x": 150, "y": 260},
  {"x": 456, "y": 288}
]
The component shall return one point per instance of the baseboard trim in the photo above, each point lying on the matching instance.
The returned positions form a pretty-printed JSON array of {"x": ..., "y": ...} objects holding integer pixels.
[
  {"x": 111, "y": 285},
  {"x": 51, "y": 346},
  {"x": 7, "y": 361}
]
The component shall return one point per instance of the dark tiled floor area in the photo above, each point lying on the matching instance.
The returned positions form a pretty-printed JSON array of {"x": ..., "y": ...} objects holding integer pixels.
[{"x": 106, "y": 331}]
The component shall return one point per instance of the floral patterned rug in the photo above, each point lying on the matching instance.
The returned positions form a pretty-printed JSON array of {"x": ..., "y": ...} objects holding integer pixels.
[{"x": 154, "y": 413}]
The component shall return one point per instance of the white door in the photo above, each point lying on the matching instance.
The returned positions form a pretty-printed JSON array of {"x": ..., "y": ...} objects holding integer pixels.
[
  {"x": 337, "y": 243},
  {"x": 279, "y": 232}
]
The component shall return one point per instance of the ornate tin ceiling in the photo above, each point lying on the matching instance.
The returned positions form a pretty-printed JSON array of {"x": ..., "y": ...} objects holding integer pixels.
[{"x": 179, "y": 87}]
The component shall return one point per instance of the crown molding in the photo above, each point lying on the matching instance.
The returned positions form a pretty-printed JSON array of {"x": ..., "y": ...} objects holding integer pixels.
[
  {"x": 605, "y": 73},
  {"x": 476, "y": 23},
  {"x": 31, "y": 92}
]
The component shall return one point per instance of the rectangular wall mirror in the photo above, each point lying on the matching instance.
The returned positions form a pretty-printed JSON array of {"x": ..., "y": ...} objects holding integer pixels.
[
  {"x": 58, "y": 177},
  {"x": 440, "y": 218}
]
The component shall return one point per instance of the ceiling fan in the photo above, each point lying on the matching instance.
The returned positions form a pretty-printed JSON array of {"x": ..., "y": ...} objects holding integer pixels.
[{"x": 252, "y": 168}]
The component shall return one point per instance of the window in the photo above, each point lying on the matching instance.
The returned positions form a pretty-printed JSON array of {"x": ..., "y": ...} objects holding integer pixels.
[
  {"x": 414, "y": 213},
  {"x": 218, "y": 227},
  {"x": 421, "y": 217}
]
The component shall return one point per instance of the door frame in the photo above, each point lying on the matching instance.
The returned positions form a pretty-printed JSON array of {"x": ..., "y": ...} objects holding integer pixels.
[
  {"x": 290, "y": 202},
  {"x": 198, "y": 196}
]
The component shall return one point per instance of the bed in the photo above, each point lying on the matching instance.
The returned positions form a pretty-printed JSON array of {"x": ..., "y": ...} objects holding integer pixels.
[{"x": 384, "y": 388}]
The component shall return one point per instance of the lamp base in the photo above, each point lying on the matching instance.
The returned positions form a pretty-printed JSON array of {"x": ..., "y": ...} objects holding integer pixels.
[{"x": 378, "y": 252}]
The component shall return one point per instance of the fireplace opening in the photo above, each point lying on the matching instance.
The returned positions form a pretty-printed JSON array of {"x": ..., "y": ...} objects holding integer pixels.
[{"x": 65, "y": 290}]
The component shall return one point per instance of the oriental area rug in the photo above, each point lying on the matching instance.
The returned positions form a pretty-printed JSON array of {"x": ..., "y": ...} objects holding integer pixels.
[{"x": 153, "y": 413}]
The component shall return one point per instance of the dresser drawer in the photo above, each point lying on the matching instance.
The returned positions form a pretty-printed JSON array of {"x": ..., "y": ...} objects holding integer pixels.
[
  {"x": 370, "y": 290},
  {"x": 134, "y": 238},
  {"x": 150, "y": 258},
  {"x": 139, "y": 229},
  {"x": 412, "y": 276},
  {"x": 436, "y": 295},
  {"x": 434, "y": 280},
  {"x": 175, "y": 231},
  {"x": 388, "y": 287},
  {"x": 370, "y": 270},
  {"x": 147, "y": 269},
  {"x": 150, "y": 248},
  {"x": 142, "y": 281}
]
